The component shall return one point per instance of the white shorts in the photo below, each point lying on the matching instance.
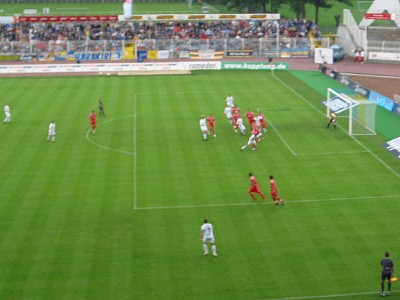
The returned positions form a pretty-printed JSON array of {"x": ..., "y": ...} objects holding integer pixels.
[
  {"x": 209, "y": 239},
  {"x": 203, "y": 128},
  {"x": 8, "y": 114},
  {"x": 229, "y": 116},
  {"x": 52, "y": 132}
]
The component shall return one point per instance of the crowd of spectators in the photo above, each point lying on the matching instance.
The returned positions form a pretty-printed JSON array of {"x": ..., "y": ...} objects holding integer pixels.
[{"x": 287, "y": 28}]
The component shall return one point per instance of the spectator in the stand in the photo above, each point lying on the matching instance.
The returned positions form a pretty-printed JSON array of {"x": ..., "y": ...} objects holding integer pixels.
[{"x": 157, "y": 30}]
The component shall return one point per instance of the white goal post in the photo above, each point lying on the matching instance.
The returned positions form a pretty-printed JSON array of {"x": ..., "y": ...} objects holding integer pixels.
[{"x": 359, "y": 112}]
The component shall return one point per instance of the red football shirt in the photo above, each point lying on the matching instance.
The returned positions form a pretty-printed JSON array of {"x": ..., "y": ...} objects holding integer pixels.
[
  {"x": 274, "y": 189},
  {"x": 92, "y": 118},
  {"x": 261, "y": 118},
  {"x": 253, "y": 180},
  {"x": 250, "y": 116}
]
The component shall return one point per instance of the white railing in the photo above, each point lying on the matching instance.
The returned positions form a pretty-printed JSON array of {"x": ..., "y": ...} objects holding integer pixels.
[
  {"x": 260, "y": 47},
  {"x": 384, "y": 46},
  {"x": 359, "y": 36}
]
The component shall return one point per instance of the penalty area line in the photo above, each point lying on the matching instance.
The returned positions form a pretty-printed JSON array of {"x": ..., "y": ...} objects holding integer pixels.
[{"x": 348, "y": 199}]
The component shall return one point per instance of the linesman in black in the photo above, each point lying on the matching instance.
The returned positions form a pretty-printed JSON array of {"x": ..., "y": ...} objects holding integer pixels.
[
  {"x": 101, "y": 108},
  {"x": 387, "y": 273}
]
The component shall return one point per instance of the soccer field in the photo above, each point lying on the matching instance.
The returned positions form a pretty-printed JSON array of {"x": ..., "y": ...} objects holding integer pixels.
[{"x": 117, "y": 214}]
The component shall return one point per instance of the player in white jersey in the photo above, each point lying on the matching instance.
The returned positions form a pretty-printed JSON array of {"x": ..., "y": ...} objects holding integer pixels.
[
  {"x": 7, "y": 113},
  {"x": 253, "y": 139},
  {"x": 207, "y": 237},
  {"x": 203, "y": 127},
  {"x": 228, "y": 113},
  {"x": 52, "y": 132},
  {"x": 241, "y": 126},
  {"x": 229, "y": 101}
]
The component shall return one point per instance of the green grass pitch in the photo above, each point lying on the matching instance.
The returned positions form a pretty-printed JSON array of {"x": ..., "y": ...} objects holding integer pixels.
[{"x": 117, "y": 214}]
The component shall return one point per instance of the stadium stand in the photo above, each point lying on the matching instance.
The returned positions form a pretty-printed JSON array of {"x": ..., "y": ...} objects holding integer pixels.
[{"x": 158, "y": 30}]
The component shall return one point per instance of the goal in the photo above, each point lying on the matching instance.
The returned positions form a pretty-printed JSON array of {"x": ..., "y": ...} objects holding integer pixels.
[{"x": 360, "y": 113}]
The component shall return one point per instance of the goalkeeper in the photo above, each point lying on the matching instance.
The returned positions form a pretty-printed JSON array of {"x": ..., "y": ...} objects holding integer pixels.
[{"x": 332, "y": 120}]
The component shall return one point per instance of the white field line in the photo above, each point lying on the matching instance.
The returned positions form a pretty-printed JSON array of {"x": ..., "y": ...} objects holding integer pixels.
[
  {"x": 269, "y": 202},
  {"x": 327, "y": 296},
  {"x": 331, "y": 153},
  {"x": 134, "y": 152},
  {"x": 105, "y": 147},
  {"x": 281, "y": 137},
  {"x": 354, "y": 139},
  {"x": 193, "y": 93}
]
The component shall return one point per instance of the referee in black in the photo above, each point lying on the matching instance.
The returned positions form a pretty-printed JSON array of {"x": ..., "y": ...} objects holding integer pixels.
[
  {"x": 101, "y": 108},
  {"x": 387, "y": 273}
]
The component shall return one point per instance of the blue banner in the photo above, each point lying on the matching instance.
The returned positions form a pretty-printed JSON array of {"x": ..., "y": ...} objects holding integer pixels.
[
  {"x": 396, "y": 108},
  {"x": 381, "y": 100},
  {"x": 89, "y": 55}
]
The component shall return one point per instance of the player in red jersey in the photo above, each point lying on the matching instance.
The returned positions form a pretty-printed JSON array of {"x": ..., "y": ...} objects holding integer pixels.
[
  {"x": 255, "y": 188},
  {"x": 235, "y": 118},
  {"x": 253, "y": 139},
  {"x": 211, "y": 123},
  {"x": 250, "y": 116},
  {"x": 235, "y": 110},
  {"x": 274, "y": 191},
  {"x": 92, "y": 120}
]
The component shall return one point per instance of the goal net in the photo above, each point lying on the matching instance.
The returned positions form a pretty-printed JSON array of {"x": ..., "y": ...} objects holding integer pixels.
[{"x": 358, "y": 114}]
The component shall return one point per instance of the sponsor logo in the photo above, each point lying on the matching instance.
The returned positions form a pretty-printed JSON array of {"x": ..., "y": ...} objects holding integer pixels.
[
  {"x": 345, "y": 81},
  {"x": 338, "y": 105},
  {"x": 255, "y": 66},
  {"x": 166, "y": 17},
  {"x": 381, "y": 100},
  {"x": 237, "y": 53},
  {"x": 393, "y": 146},
  {"x": 396, "y": 108},
  {"x": 202, "y": 66},
  {"x": 227, "y": 16},
  {"x": 258, "y": 16},
  {"x": 196, "y": 17},
  {"x": 361, "y": 90}
]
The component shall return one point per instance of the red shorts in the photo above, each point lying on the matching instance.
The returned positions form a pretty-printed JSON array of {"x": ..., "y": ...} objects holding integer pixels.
[
  {"x": 274, "y": 195},
  {"x": 93, "y": 125},
  {"x": 255, "y": 189}
]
